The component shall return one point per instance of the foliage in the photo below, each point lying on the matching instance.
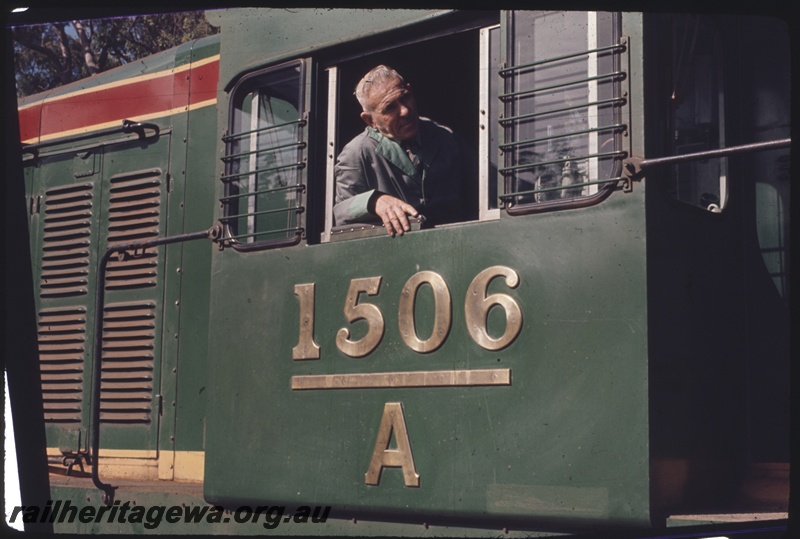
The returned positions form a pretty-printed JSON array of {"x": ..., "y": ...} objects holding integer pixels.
[{"x": 49, "y": 55}]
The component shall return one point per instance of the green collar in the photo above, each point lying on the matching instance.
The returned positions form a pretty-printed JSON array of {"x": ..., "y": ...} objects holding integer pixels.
[{"x": 392, "y": 152}]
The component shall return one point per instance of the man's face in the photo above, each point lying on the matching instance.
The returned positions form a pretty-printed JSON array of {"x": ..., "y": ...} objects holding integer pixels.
[{"x": 393, "y": 111}]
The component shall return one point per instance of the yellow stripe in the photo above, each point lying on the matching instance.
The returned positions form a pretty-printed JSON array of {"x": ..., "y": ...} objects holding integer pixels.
[
  {"x": 116, "y": 84},
  {"x": 147, "y": 465},
  {"x": 116, "y": 123}
]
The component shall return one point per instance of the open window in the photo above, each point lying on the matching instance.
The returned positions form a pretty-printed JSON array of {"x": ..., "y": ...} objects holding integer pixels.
[
  {"x": 562, "y": 102},
  {"x": 264, "y": 159},
  {"x": 448, "y": 72},
  {"x": 697, "y": 115}
]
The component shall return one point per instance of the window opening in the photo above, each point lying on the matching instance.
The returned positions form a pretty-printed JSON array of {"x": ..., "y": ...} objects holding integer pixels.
[
  {"x": 697, "y": 114},
  {"x": 562, "y": 102},
  {"x": 446, "y": 91},
  {"x": 264, "y": 159}
]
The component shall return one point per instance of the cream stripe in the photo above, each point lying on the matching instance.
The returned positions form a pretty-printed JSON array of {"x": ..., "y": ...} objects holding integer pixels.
[
  {"x": 189, "y": 465},
  {"x": 116, "y": 453},
  {"x": 129, "y": 453},
  {"x": 116, "y": 84},
  {"x": 142, "y": 464},
  {"x": 118, "y": 122}
]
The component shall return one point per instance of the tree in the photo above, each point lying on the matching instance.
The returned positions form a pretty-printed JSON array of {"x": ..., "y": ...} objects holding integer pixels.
[{"x": 50, "y": 55}]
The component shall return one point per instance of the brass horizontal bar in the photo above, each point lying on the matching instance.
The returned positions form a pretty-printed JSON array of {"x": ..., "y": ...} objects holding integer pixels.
[{"x": 453, "y": 378}]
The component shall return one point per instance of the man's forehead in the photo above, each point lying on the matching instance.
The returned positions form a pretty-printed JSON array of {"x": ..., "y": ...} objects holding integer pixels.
[{"x": 387, "y": 89}]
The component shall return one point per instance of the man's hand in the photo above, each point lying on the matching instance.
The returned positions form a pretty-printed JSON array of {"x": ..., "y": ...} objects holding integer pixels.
[{"x": 394, "y": 214}]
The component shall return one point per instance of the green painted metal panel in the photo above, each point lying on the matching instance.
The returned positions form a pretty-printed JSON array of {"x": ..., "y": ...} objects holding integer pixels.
[
  {"x": 193, "y": 199},
  {"x": 134, "y": 207},
  {"x": 206, "y": 519},
  {"x": 139, "y": 174},
  {"x": 608, "y": 378},
  {"x": 62, "y": 209},
  {"x": 567, "y": 439},
  {"x": 261, "y": 36}
]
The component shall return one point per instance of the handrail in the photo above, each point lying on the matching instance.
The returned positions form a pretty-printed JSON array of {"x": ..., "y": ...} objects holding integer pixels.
[
  {"x": 127, "y": 126},
  {"x": 633, "y": 167},
  {"x": 121, "y": 248},
  {"x": 721, "y": 152}
]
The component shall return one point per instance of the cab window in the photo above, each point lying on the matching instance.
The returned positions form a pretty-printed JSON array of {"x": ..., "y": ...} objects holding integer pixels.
[
  {"x": 562, "y": 99},
  {"x": 264, "y": 159},
  {"x": 446, "y": 91}
]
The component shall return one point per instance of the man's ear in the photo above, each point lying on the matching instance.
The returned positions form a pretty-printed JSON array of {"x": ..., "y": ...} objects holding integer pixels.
[{"x": 367, "y": 117}]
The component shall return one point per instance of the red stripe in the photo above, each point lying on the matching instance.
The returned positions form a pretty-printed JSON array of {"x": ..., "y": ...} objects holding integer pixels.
[
  {"x": 204, "y": 83},
  {"x": 136, "y": 99},
  {"x": 29, "y": 122}
]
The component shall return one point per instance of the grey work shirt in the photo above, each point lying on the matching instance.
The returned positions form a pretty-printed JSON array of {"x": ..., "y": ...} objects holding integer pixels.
[{"x": 372, "y": 163}]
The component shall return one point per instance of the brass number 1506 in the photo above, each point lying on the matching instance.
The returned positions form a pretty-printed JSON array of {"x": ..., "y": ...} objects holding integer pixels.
[{"x": 476, "y": 310}]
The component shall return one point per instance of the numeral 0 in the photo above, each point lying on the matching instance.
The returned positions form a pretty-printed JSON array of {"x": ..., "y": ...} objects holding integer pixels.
[
  {"x": 442, "y": 316},
  {"x": 477, "y": 305}
]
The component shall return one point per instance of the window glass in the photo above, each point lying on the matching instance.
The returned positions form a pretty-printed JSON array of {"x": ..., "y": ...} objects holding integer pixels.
[
  {"x": 264, "y": 158},
  {"x": 697, "y": 117},
  {"x": 562, "y": 99}
]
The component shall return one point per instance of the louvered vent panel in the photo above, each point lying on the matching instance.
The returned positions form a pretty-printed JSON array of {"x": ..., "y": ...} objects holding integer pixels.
[
  {"x": 66, "y": 241},
  {"x": 62, "y": 341},
  {"x": 126, "y": 390},
  {"x": 133, "y": 215}
]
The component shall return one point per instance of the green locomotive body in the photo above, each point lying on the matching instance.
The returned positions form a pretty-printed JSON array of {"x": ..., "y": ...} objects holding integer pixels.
[{"x": 603, "y": 344}]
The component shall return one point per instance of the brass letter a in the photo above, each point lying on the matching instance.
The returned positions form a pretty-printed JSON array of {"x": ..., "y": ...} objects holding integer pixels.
[{"x": 393, "y": 420}]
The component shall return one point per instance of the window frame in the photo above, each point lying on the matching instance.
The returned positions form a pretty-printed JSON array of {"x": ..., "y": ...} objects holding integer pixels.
[
  {"x": 483, "y": 125},
  {"x": 604, "y": 187},
  {"x": 244, "y": 86}
]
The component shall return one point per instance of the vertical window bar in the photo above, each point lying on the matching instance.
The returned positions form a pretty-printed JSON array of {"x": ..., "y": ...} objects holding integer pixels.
[
  {"x": 487, "y": 127},
  {"x": 252, "y": 180},
  {"x": 593, "y": 121},
  {"x": 330, "y": 187}
]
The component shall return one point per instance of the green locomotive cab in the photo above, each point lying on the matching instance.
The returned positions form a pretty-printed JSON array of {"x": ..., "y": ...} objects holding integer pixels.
[{"x": 600, "y": 343}]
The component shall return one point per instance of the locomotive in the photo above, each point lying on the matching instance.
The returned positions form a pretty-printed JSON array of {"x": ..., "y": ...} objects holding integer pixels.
[{"x": 601, "y": 345}]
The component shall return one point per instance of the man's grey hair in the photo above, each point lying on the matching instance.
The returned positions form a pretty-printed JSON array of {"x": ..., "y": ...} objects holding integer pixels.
[{"x": 376, "y": 77}]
